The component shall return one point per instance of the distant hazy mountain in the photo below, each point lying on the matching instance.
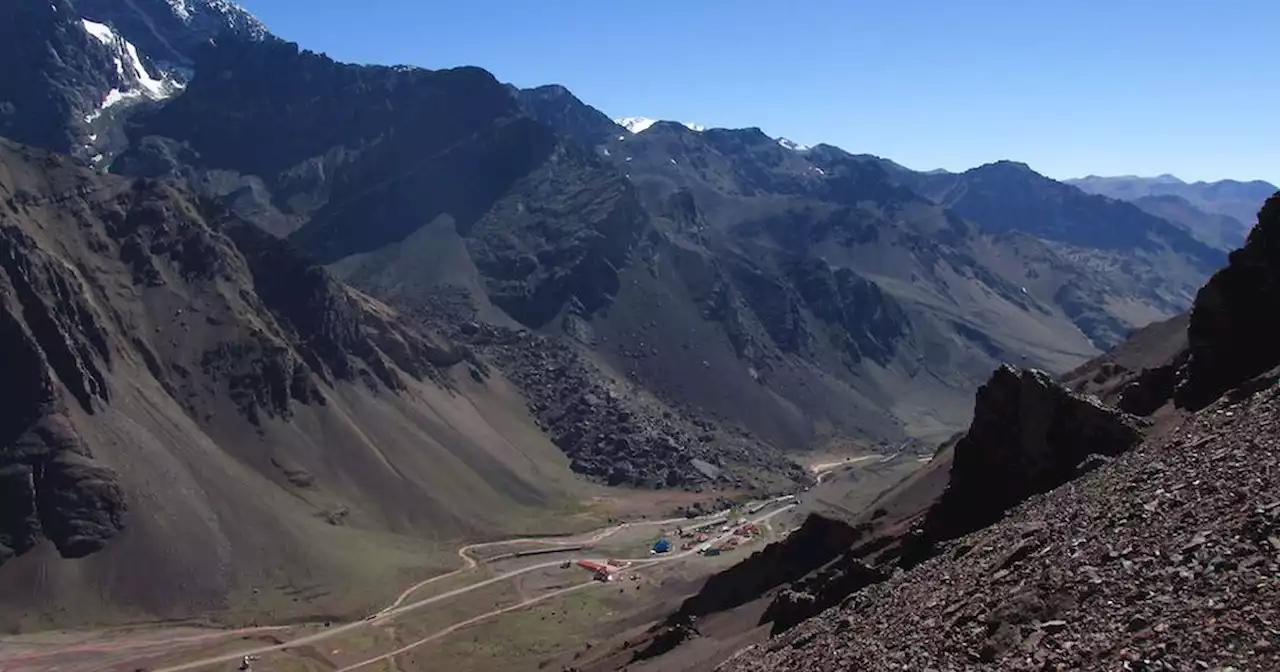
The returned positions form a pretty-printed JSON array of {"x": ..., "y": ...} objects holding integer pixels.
[
  {"x": 1221, "y": 231},
  {"x": 1233, "y": 198}
]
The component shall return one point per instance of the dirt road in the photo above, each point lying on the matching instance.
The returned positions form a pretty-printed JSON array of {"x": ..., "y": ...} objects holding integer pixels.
[
  {"x": 638, "y": 564},
  {"x": 399, "y": 606},
  {"x": 148, "y": 648},
  {"x": 824, "y": 469}
]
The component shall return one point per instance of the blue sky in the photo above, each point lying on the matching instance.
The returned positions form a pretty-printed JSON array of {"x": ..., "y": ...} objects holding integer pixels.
[{"x": 1069, "y": 87}]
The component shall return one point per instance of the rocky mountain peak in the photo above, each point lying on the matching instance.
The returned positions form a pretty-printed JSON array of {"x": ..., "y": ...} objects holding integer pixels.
[
  {"x": 1005, "y": 168},
  {"x": 557, "y": 107},
  {"x": 1029, "y": 435},
  {"x": 171, "y": 31}
]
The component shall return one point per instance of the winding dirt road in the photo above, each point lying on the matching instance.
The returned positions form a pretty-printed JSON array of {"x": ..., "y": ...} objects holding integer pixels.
[
  {"x": 399, "y": 606},
  {"x": 147, "y": 648},
  {"x": 639, "y": 564}
]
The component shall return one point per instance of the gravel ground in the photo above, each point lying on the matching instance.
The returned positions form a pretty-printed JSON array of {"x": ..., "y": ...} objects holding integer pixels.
[{"x": 1165, "y": 558}]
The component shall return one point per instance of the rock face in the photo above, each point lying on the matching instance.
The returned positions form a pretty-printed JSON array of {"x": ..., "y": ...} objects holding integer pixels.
[
  {"x": 1029, "y": 435},
  {"x": 1235, "y": 322},
  {"x": 820, "y": 591},
  {"x": 172, "y": 31},
  {"x": 50, "y": 338}
]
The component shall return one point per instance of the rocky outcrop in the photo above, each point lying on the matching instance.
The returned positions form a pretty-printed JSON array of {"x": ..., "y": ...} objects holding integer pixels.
[
  {"x": 1029, "y": 435},
  {"x": 820, "y": 591},
  {"x": 1235, "y": 322},
  {"x": 866, "y": 322},
  {"x": 614, "y": 434},
  {"x": 52, "y": 486},
  {"x": 65, "y": 76},
  {"x": 557, "y": 107},
  {"x": 817, "y": 542}
]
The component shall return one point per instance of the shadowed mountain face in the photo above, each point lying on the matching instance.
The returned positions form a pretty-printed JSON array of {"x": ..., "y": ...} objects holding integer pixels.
[
  {"x": 799, "y": 294},
  {"x": 87, "y": 64}
]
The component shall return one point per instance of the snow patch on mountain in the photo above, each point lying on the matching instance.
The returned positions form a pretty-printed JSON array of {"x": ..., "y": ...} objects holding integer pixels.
[
  {"x": 151, "y": 87},
  {"x": 635, "y": 124},
  {"x": 793, "y": 145},
  {"x": 642, "y": 124},
  {"x": 132, "y": 80},
  {"x": 103, "y": 33},
  {"x": 180, "y": 9}
]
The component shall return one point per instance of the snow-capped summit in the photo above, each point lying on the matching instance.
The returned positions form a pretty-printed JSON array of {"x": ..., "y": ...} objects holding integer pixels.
[
  {"x": 641, "y": 124},
  {"x": 792, "y": 145},
  {"x": 223, "y": 11}
]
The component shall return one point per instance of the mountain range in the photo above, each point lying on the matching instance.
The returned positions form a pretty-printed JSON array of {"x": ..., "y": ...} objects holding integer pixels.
[
  {"x": 329, "y": 298},
  {"x": 1218, "y": 213}
]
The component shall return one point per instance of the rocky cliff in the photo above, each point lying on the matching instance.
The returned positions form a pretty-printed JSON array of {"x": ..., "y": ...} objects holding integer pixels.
[
  {"x": 1029, "y": 435},
  {"x": 1235, "y": 321}
]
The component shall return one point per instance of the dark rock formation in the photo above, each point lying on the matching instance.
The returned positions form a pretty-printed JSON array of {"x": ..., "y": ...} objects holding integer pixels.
[
  {"x": 1029, "y": 434},
  {"x": 819, "y": 591},
  {"x": 50, "y": 485},
  {"x": 814, "y": 544},
  {"x": 557, "y": 107},
  {"x": 612, "y": 435},
  {"x": 1235, "y": 322}
]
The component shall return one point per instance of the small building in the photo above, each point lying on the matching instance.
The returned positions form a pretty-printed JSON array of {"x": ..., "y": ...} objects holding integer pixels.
[{"x": 663, "y": 545}]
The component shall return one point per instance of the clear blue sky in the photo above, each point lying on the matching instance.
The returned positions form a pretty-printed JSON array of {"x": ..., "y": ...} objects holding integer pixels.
[{"x": 1071, "y": 87}]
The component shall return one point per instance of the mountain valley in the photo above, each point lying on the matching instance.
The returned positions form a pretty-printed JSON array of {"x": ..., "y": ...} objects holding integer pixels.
[{"x": 283, "y": 334}]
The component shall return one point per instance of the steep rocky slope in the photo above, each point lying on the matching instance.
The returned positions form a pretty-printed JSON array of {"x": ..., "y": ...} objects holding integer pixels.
[
  {"x": 1162, "y": 560},
  {"x": 205, "y": 421},
  {"x": 447, "y": 201},
  {"x": 1059, "y": 533}
]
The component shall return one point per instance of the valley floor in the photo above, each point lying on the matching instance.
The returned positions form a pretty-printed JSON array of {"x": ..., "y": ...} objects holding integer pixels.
[{"x": 497, "y": 609}]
